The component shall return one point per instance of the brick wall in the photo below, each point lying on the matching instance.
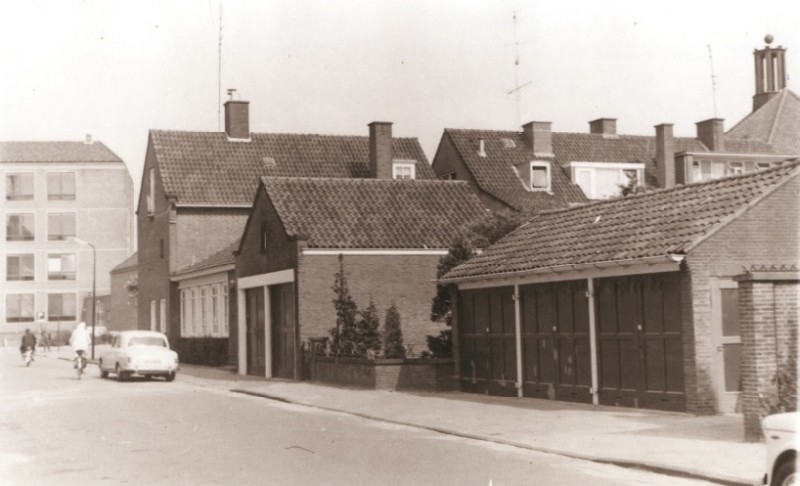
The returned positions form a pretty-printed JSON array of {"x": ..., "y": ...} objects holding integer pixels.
[
  {"x": 282, "y": 251},
  {"x": 406, "y": 281},
  {"x": 768, "y": 319},
  {"x": 124, "y": 312},
  {"x": 201, "y": 232},
  {"x": 766, "y": 234}
]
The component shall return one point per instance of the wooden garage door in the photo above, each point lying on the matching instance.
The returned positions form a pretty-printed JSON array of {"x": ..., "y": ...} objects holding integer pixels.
[
  {"x": 640, "y": 355},
  {"x": 555, "y": 341},
  {"x": 487, "y": 342}
]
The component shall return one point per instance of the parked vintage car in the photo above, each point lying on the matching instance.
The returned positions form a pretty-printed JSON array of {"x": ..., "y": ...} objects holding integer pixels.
[
  {"x": 143, "y": 353},
  {"x": 780, "y": 434}
]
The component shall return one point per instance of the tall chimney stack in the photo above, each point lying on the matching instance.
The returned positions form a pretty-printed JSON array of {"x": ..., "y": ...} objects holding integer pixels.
[
  {"x": 540, "y": 137},
  {"x": 665, "y": 155},
  {"x": 237, "y": 118},
  {"x": 380, "y": 150},
  {"x": 712, "y": 133}
]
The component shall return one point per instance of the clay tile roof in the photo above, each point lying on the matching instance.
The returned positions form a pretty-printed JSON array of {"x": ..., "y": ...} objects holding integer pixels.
[
  {"x": 223, "y": 257},
  {"x": 11, "y": 152},
  {"x": 776, "y": 122},
  {"x": 129, "y": 263},
  {"x": 207, "y": 168},
  {"x": 653, "y": 224},
  {"x": 371, "y": 213}
]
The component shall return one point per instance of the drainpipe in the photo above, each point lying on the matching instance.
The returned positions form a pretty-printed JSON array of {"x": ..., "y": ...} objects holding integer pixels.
[
  {"x": 593, "y": 340},
  {"x": 518, "y": 335}
]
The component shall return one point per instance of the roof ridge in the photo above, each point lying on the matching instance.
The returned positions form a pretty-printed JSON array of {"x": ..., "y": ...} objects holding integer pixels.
[
  {"x": 290, "y": 134},
  {"x": 364, "y": 180},
  {"x": 782, "y": 97}
]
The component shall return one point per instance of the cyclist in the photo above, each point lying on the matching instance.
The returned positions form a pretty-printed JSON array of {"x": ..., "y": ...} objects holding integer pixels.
[{"x": 80, "y": 341}]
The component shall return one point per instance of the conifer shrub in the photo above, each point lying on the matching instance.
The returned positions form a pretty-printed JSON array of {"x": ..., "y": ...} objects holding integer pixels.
[{"x": 393, "y": 334}]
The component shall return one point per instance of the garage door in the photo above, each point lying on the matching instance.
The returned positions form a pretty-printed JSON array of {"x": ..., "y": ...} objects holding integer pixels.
[
  {"x": 555, "y": 341},
  {"x": 640, "y": 355},
  {"x": 486, "y": 341}
]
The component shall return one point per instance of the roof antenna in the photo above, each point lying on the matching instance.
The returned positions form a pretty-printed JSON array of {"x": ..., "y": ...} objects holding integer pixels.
[
  {"x": 713, "y": 81},
  {"x": 517, "y": 87},
  {"x": 219, "y": 73}
]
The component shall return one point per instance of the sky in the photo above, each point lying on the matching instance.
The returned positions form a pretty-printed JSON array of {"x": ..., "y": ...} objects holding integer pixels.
[{"x": 117, "y": 69}]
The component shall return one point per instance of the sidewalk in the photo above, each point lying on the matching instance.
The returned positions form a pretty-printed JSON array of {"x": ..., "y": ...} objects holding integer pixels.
[{"x": 703, "y": 447}]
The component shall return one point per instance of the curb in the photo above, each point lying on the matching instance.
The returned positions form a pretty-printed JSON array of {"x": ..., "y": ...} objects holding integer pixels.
[{"x": 646, "y": 466}]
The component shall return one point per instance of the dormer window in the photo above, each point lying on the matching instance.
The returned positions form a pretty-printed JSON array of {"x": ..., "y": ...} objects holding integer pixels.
[
  {"x": 404, "y": 171},
  {"x": 603, "y": 180},
  {"x": 540, "y": 176}
]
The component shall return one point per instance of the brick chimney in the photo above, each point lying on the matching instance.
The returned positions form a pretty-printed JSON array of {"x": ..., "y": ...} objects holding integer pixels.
[
  {"x": 380, "y": 150},
  {"x": 665, "y": 155},
  {"x": 603, "y": 126},
  {"x": 712, "y": 134},
  {"x": 540, "y": 137},
  {"x": 237, "y": 119}
]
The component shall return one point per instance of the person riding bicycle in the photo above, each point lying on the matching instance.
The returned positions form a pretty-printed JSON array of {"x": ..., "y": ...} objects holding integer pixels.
[
  {"x": 80, "y": 340},
  {"x": 28, "y": 341}
]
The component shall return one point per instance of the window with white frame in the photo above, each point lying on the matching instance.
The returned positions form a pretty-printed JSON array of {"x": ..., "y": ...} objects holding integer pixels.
[
  {"x": 20, "y": 227},
  {"x": 153, "y": 315},
  {"x": 204, "y": 310},
  {"x": 61, "y": 307},
  {"x": 60, "y": 226},
  {"x": 540, "y": 176},
  {"x": 150, "y": 198},
  {"x": 20, "y": 267},
  {"x": 60, "y": 186},
  {"x": 19, "y": 187},
  {"x": 707, "y": 170},
  {"x": 61, "y": 266},
  {"x": 19, "y": 307},
  {"x": 162, "y": 321},
  {"x": 404, "y": 171},
  {"x": 603, "y": 180}
]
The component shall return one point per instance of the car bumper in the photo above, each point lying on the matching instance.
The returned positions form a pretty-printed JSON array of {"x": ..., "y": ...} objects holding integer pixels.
[{"x": 151, "y": 369}]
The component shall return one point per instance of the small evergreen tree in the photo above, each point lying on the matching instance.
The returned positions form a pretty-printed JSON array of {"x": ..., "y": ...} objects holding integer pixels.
[
  {"x": 344, "y": 334},
  {"x": 368, "y": 337},
  {"x": 393, "y": 334}
]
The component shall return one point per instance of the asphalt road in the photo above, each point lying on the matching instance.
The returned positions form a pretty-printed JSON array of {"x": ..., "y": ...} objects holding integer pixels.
[{"x": 55, "y": 429}]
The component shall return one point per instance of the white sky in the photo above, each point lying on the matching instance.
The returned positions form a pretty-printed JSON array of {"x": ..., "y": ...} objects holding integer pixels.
[{"x": 116, "y": 69}]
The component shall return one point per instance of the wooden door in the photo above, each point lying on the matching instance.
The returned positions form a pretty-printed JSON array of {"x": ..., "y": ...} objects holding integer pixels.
[
  {"x": 283, "y": 330},
  {"x": 256, "y": 337},
  {"x": 728, "y": 344}
]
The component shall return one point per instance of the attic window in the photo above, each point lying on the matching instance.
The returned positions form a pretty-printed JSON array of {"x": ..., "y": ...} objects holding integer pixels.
[
  {"x": 150, "y": 198},
  {"x": 508, "y": 143},
  {"x": 269, "y": 162},
  {"x": 404, "y": 171},
  {"x": 540, "y": 176}
]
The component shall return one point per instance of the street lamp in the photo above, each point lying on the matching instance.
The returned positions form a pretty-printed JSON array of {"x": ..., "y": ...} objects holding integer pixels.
[{"x": 94, "y": 281}]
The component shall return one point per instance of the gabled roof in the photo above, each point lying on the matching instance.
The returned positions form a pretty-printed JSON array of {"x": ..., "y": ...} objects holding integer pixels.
[
  {"x": 776, "y": 122},
  {"x": 129, "y": 263},
  {"x": 15, "y": 152},
  {"x": 653, "y": 224},
  {"x": 222, "y": 258},
  {"x": 208, "y": 168},
  {"x": 371, "y": 213}
]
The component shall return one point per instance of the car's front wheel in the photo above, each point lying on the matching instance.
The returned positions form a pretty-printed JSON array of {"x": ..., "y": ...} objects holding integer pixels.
[
  {"x": 170, "y": 376},
  {"x": 103, "y": 373},
  {"x": 120, "y": 374},
  {"x": 786, "y": 474}
]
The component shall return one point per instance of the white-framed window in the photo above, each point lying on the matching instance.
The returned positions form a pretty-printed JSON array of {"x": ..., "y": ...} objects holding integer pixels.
[
  {"x": 19, "y": 186},
  {"x": 19, "y": 307},
  {"x": 162, "y": 321},
  {"x": 184, "y": 314},
  {"x": 450, "y": 176},
  {"x": 214, "y": 310},
  {"x": 707, "y": 170},
  {"x": 404, "y": 171},
  {"x": 540, "y": 176},
  {"x": 20, "y": 227},
  {"x": 62, "y": 307},
  {"x": 603, "y": 180},
  {"x": 20, "y": 267},
  {"x": 150, "y": 198},
  {"x": 61, "y": 266},
  {"x": 204, "y": 310},
  {"x": 224, "y": 306},
  {"x": 153, "y": 315},
  {"x": 60, "y": 186},
  {"x": 60, "y": 226}
]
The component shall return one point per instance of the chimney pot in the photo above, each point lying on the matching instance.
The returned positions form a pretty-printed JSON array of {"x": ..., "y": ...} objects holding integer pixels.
[
  {"x": 380, "y": 150},
  {"x": 712, "y": 133},
  {"x": 540, "y": 137},
  {"x": 88, "y": 140},
  {"x": 665, "y": 155}
]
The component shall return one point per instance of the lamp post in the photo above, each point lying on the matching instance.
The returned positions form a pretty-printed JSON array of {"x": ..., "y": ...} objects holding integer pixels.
[{"x": 94, "y": 281}]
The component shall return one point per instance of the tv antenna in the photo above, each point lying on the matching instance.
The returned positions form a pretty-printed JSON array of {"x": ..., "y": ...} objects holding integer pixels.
[
  {"x": 517, "y": 87},
  {"x": 219, "y": 73},
  {"x": 713, "y": 81}
]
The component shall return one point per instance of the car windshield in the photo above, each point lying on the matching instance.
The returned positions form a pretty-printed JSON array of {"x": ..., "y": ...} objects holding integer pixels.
[{"x": 147, "y": 341}]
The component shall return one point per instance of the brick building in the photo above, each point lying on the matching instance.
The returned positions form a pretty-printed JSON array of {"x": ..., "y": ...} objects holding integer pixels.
[
  {"x": 390, "y": 235},
  {"x": 540, "y": 169},
  {"x": 198, "y": 187},
  {"x": 123, "y": 308},
  {"x": 643, "y": 301},
  {"x": 53, "y": 192}
]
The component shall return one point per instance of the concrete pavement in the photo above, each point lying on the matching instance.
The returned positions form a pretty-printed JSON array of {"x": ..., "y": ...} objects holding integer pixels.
[{"x": 702, "y": 447}]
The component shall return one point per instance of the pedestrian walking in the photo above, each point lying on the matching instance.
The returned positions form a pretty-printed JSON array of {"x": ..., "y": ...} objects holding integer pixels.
[{"x": 45, "y": 341}]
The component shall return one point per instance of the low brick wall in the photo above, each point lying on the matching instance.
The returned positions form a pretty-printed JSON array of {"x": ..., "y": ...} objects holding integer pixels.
[
  {"x": 384, "y": 374},
  {"x": 202, "y": 351}
]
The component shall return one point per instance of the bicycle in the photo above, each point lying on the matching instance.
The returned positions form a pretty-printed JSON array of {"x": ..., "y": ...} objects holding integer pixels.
[
  {"x": 27, "y": 355},
  {"x": 80, "y": 363}
]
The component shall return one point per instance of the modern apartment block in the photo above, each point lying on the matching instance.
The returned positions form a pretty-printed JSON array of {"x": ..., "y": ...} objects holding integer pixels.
[{"x": 63, "y": 204}]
